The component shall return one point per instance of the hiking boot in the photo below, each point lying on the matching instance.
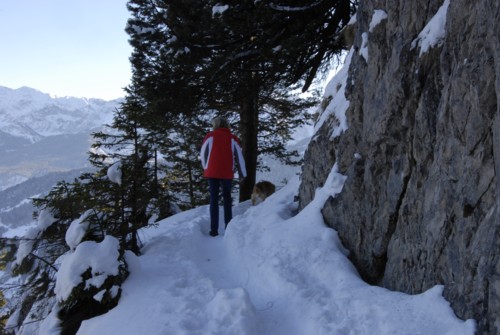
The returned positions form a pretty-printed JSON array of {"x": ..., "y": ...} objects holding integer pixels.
[{"x": 213, "y": 233}]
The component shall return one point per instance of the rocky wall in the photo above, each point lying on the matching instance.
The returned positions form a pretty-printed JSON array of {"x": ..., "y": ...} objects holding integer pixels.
[{"x": 421, "y": 203}]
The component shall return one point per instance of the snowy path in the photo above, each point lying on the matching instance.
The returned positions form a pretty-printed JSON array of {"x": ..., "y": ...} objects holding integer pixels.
[{"x": 271, "y": 273}]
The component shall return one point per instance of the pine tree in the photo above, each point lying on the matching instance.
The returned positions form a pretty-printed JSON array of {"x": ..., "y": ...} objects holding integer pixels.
[
  {"x": 139, "y": 195},
  {"x": 234, "y": 57}
]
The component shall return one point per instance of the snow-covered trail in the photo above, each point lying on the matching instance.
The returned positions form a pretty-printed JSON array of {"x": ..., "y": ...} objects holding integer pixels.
[
  {"x": 272, "y": 272},
  {"x": 178, "y": 285}
]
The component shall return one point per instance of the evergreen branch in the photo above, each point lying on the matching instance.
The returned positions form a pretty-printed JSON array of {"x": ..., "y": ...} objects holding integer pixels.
[
  {"x": 44, "y": 261},
  {"x": 24, "y": 324}
]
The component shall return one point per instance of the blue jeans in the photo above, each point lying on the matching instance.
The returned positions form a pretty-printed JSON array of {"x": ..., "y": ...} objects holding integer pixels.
[{"x": 214, "y": 186}]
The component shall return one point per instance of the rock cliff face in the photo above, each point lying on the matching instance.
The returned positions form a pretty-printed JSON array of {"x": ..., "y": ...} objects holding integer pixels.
[{"x": 421, "y": 203}]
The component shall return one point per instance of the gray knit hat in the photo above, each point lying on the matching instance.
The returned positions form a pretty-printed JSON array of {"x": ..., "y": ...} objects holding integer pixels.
[{"x": 220, "y": 122}]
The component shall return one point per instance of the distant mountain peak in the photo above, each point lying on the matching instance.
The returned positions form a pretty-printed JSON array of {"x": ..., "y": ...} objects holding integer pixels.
[{"x": 28, "y": 113}]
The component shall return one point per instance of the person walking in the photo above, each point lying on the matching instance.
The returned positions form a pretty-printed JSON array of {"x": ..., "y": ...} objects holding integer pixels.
[{"x": 220, "y": 153}]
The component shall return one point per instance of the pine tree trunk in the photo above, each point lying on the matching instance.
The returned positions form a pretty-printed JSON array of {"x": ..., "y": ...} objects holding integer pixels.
[{"x": 249, "y": 125}]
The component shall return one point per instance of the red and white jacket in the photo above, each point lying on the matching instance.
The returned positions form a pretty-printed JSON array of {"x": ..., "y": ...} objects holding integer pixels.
[{"x": 219, "y": 153}]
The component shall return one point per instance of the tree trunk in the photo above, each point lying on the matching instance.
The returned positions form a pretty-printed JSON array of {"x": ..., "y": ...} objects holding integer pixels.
[{"x": 249, "y": 125}]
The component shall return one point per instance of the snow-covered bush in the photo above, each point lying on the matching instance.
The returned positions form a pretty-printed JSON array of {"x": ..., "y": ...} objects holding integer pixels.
[
  {"x": 69, "y": 267},
  {"x": 88, "y": 281},
  {"x": 30, "y": 294}
]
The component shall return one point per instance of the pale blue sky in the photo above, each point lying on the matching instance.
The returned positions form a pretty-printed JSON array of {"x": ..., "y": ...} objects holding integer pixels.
[{"x": 65, "y": 47}]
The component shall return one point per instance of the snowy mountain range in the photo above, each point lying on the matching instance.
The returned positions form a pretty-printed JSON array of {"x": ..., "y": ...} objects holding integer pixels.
[
  {"x": 32, "y": 115},
  {"x": 43, "y": 139}
]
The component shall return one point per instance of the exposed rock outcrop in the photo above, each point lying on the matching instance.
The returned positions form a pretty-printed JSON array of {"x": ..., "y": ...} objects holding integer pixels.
[{"x": 421, "y": 203}]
